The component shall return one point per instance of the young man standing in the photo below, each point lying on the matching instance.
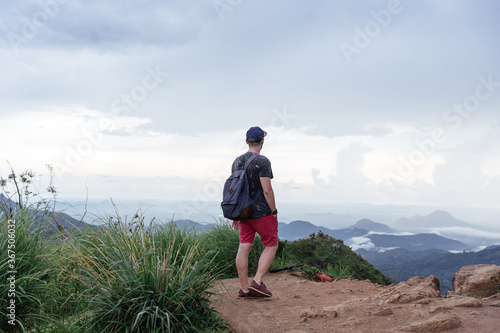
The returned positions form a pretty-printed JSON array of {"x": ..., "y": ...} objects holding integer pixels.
[{"x": 264, "y": 219}]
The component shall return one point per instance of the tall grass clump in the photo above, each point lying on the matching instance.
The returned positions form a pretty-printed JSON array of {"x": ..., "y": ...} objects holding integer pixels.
[
  {"x": 138, "y": 280},
  {"x": 28, "y": 266},
  {"x": 34, "y": 270},
  {"x": 223, "y": 241}
]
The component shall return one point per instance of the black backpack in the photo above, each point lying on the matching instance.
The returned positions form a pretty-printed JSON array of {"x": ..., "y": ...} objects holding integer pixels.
[{"x": 236, "y": 202}]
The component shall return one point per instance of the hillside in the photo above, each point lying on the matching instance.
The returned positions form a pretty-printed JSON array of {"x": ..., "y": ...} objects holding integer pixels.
[{"x": 320, "y": 250}]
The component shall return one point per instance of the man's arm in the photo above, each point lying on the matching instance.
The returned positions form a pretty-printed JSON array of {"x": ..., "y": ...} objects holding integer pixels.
[{"x": 268, "y": 192}]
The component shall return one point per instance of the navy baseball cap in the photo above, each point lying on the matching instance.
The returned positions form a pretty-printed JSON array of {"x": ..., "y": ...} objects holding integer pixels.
[{"x": 255, "y": 134}]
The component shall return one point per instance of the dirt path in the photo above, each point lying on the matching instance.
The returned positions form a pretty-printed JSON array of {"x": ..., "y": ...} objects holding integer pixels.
[{"x": 300, "y": 305}]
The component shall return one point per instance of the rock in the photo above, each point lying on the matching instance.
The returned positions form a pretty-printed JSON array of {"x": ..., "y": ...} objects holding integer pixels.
[
  {"x": 415, "y": 289},
  {"x": 424, "y": 301},
  {"x": 440, "y": 309},
  {"x": 330, "y": 311},
  {"x": 311, "y": 312},
  {"x": 496, "y": 304},
  {"x": 352, "y": 322},
  {"x": 383, "y": 312},
  {"x": 477, "y": 280},
  {"x": 439, "y": 323},
  {"x": 394, "y": 298},
  {"x": 464, "y": 302}
]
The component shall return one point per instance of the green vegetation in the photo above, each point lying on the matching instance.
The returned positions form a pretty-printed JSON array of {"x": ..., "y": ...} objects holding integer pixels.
[
  {"x": 26, "y": 270},
  {"x": 26, "y": 266},
  {"x": 328, "y": 255}
]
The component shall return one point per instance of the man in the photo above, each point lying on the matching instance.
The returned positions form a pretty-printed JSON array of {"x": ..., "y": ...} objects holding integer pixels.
[{"x": 264, "y": 219}]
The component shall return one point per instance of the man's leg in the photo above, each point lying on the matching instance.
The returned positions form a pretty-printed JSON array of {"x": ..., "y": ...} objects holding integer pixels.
[
  {"x": 242, "y": 264},
  {"x": 265, "y": 261}
]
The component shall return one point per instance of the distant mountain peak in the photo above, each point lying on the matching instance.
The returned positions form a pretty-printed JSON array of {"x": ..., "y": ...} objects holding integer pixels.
[
  {"x": 440, "y": 213},
  {"x": 436, "y": 219},
  {"x": 372, "y": 226}
]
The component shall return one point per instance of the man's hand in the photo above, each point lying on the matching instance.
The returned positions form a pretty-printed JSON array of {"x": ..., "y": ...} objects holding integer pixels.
[{"x": 236, "y": 225}]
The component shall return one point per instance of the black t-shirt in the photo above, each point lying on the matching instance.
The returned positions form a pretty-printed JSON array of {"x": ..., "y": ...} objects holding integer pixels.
[{"x": 259, "y": 167}]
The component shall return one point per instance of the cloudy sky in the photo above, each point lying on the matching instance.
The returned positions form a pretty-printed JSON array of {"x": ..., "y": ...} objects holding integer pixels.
[{"x": 381, "y": 102}]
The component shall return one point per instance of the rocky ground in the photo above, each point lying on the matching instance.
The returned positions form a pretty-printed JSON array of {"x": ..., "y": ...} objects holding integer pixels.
[{"x": 300, "y": 305}]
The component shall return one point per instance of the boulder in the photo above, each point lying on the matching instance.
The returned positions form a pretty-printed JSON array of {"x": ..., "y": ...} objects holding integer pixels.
[
  {"x": 415, "y": 289},
  {"x": 477, "y": 280},
  {"x": 463, "y": 302}
]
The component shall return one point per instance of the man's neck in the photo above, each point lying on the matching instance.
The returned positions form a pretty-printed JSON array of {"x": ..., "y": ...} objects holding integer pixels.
[{"x": 255, "y": 150}]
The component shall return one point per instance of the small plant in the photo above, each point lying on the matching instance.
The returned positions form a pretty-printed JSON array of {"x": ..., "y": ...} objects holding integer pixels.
[{"x": 338, "y": 271}]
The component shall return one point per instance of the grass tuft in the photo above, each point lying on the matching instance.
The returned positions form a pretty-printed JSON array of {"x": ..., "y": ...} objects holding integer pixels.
[{"x": 138, "y": 280}]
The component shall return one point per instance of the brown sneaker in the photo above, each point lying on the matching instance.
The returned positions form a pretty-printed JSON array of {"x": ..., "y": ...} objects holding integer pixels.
[
  {"x": 260, "y": 289},
  {"x": 249, "y": 294}
]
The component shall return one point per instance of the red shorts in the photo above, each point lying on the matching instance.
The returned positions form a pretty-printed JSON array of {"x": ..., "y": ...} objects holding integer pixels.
[{"x": 266, "y": 227}]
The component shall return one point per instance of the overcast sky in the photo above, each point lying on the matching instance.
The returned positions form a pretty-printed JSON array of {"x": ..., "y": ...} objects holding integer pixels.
[{"x": 382, "y": 102}]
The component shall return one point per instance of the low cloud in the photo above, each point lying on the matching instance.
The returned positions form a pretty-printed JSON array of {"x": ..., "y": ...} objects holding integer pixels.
[
  {"x": 461, "y": 232},
  {"x": 357, "y": 243}
]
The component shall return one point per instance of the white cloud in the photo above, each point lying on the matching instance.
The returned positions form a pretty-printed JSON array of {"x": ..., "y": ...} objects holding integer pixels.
[
  {"x": 461, "y": 232},
  {"x": 391, "y": 233},
  {"x": 357, "y": 243}
]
